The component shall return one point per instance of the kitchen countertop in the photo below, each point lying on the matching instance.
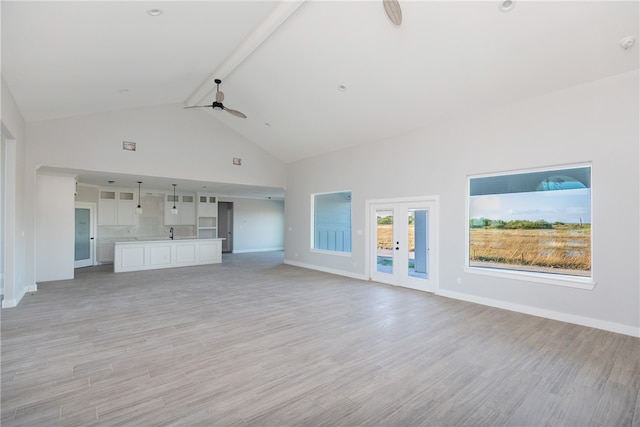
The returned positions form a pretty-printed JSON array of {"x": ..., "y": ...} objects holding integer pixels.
[
  {"x": 161, "y": 239},
  {"x": 141, "y": 238}
]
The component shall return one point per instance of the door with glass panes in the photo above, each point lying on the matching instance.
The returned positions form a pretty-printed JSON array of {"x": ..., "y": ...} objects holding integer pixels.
[
  {"x": 84, "y": 249},
  {"x": 402, "y": 244}
]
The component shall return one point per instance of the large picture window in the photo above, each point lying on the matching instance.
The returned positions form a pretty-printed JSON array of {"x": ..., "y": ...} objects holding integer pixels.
[
  {"x": 532, "y": 221},
  {"x": 332, "y": 221}
]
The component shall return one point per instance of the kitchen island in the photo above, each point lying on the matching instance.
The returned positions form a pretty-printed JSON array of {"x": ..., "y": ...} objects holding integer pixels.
[{"x": 134, "y": 255}]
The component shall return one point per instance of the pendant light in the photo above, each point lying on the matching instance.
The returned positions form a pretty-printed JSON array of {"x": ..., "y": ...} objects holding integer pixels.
[
  {"x": 139, "y": 208},
  {"x": 174, "y": 210}
]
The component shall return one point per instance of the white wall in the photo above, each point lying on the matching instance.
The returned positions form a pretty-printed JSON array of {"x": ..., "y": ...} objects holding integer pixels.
[
  {"x": 171, "y": 142},
  {"x": 86, "y": 194},
  {"x": 597, "y": 122},
  {"x": 18, "y": 276},
  {"x": 258, "y": 225},
  {"x": 55, "y": 227}
]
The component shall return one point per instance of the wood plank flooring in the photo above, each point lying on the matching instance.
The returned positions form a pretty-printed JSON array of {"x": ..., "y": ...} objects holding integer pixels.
[{"x": 254, "y": 342}]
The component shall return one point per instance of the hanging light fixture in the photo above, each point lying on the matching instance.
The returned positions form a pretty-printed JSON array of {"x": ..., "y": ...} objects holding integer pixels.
[
  {"x": 174, "y": 210},
  {"x": 139, "y": 208}
]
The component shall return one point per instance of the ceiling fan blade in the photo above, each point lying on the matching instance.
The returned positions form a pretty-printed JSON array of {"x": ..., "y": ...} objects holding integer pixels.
[
  {"x": 394, "y": 12},
  {"x": 235, "y": 113},
  {"x": 199, "y": 106},
  {"x": 219, "y": 97}
]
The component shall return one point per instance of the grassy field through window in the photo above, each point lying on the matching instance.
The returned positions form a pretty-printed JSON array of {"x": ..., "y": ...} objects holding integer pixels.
[
  {"x": 385, "y": 236},
  {"x": 563, "y": 249}
]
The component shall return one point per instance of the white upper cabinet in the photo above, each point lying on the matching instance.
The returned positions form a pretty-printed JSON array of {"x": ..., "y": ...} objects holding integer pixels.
[
  {"x": 207, "y": 205},
  {"x": 116, "y": 207},
  {"x": 186, "y": 206},
  {"x": 108, "y": 208},
  {"x": 126, "y": 208},
  {"x": 171, "y": 201}
]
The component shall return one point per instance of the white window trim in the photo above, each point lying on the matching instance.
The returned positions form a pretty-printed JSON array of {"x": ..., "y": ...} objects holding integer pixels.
[
  {"x": 578, "y": 282},
  {"x": 326, "y": 252}
]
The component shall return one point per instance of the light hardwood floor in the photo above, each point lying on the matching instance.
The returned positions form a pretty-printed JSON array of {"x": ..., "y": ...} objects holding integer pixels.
[{"x": 254, "y": 342}]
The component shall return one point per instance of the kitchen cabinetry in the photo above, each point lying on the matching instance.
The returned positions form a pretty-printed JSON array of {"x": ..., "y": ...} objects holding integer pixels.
[
  {"x": 107, "y": 208},
  {"x": 126, "y": 208},
  {"x": 104, "y": 252},
  {"x": 116, "y": 207},
  {"x": 207, "y": 220},
  {"x": 151, "y": 255},
  {"x": 186, "y": 205}
]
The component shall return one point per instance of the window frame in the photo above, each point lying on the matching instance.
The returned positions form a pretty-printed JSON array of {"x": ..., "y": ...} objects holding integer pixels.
[
  {"x": 313, "y": 226},
  {"x": 572, "y": 281}
]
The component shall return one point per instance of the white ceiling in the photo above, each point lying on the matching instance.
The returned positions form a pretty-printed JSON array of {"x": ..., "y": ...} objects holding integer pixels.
[{"x": 282, "y": 62}]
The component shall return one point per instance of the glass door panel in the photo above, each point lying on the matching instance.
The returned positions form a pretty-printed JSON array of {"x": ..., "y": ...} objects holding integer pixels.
[
  {"x": 418, "y": 243},
  {"x": 384, "y": 241},
  {"x": 83, "y": 241}
]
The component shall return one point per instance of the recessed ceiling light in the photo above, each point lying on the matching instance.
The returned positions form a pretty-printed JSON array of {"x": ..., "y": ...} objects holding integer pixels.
[
  {"x": 507, "y": 5},
  {"x": 154, "y": 12},
  {"x": 342, "y": 88}
]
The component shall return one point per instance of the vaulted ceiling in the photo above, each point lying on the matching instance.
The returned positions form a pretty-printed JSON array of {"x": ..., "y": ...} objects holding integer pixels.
[{"x": 312, "y": 76}]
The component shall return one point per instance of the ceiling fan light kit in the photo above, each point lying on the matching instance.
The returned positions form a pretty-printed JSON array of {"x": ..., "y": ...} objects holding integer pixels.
[{"x": 217, "y": 104}]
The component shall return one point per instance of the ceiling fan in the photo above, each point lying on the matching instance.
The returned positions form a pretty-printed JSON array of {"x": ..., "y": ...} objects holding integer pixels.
[{"x": 217, "y": 104}]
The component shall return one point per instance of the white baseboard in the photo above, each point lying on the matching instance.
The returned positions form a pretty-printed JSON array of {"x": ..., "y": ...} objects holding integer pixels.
[
  {"x": 245, "y": 251},
  {"x": 548, "y": 314},
  {"x": 326, "y": 270},
  {"x": 9, "y": 303},
  {"x": 13, "y": 302}
]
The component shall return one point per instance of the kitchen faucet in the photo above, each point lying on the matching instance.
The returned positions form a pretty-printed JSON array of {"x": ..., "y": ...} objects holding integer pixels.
[{"x": 171, "y": 233}]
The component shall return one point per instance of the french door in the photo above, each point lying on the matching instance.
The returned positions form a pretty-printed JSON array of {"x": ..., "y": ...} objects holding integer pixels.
[{"x": 403, "y": 243}]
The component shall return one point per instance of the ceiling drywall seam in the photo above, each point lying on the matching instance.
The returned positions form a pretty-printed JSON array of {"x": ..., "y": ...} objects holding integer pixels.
[{"x": 262, "y": 32}]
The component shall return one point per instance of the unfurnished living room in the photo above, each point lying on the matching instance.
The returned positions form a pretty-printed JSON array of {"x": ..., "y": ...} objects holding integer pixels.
[{"x": 301, "y": 213}]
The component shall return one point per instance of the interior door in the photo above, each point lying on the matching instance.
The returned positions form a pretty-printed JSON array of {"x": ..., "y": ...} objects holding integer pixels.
[
  {"x": 225, "y": 225},
  {"x": 402, "y": 244},
  {"x": 84, "y": 237}
]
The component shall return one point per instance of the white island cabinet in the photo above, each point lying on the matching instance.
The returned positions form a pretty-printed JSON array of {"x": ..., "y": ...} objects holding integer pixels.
[{"x": 154, "y": 254}]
